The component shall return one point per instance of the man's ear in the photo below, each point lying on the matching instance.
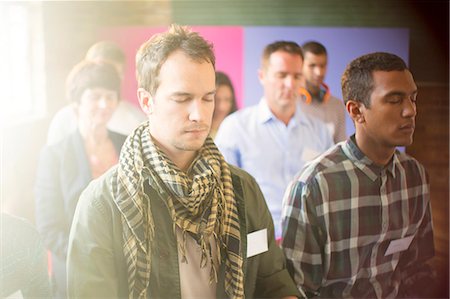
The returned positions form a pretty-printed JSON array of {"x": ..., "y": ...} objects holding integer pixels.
[
  {"x": 355, "y": 109},
  {"x": 145, "y": 101},
  {"x": 261, "y": 75}
]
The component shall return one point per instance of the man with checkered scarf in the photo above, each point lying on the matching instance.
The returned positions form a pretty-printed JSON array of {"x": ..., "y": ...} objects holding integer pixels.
[{"x": 173, "y": 219}]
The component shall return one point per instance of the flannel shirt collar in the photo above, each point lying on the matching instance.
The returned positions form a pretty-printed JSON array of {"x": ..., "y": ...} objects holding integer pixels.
[{"x": 366, "y": 165}]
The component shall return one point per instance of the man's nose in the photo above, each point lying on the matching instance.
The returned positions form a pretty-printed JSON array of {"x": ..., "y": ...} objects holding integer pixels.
[
  {"x": 319, "y": 71},
  {"x": 196, "y": 110},
  {"x": 289, "y": 81},
  {"x": 409, "y": 108}
]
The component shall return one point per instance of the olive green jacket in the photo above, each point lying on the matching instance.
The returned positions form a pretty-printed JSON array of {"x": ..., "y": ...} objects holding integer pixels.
[{"x": 97, "y": 266}]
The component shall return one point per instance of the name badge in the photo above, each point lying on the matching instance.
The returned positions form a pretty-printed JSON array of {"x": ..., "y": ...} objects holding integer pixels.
[
  {"x": 257, "y": 242},
  {"x": 399, "y": 245}
]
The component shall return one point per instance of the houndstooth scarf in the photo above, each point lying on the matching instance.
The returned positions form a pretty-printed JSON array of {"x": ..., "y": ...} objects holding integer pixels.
[{"x": 201, "y": 203}]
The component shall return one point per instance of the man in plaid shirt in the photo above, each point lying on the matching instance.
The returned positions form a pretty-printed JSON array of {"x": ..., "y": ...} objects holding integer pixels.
[{"x": 357, "y": 220}]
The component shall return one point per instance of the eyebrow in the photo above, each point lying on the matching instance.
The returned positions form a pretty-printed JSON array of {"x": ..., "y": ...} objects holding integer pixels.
[
  {"x": 180, "y": 94},
  {"x": 187, "y": 94},
  {"x": 399, "y": 93},
  {"x": 284, "y": 72}
]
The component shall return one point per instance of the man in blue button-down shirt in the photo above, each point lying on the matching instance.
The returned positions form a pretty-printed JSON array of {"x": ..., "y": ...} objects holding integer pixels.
[{"x": 274, "y": 139}]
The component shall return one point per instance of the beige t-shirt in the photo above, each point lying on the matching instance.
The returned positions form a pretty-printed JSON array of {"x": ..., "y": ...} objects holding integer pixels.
[
  {"x": 332, "y": 113},
  {"x": 194, "y": 281}
]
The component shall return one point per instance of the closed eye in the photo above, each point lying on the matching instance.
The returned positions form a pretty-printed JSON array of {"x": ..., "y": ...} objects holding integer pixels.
[
  {"x": 280, "y": 75},
  {"x": 181, "y": 99},
  {"x": 395, "y": 99},
  {"x": 210, "y": 96}
]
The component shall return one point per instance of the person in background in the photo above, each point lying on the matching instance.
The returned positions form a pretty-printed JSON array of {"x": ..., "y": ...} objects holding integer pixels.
[
  {"x": 357, "y": 221},
  {"x": 126, "y": 116},
  {"x": 225, "y": 101},
  {"x": 23, "y": 266},
  {"x": 172, "y": 220},
  {"x": 68, "y": 166},
  {"x": 315, "y": 97},
  {"x": 274, "y": 139}
]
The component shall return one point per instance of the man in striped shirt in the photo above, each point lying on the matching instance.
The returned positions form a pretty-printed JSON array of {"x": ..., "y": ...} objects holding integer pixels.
[{"x": 356, "y": 220}]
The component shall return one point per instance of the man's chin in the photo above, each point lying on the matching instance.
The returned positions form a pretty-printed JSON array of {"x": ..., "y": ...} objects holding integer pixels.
[
  {"x": 285, "y": 102},
  {"x": 405, "y": 142},
  {"x": 192, "y": 145}
]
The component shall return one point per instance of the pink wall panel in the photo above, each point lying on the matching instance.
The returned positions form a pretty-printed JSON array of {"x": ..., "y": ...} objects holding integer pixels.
[{"x": 228, "y": 43}]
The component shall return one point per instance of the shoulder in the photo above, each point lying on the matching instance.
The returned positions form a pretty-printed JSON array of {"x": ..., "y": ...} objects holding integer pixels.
[
  {"x": 242, "y": 175},
  {"x": 317, "y": 125},
  {"x": 99, "y": 193},
  {"x": 63, "y": 146},
  {"x": 64, "y": 119},
  {"x": 242, "y": 179},
  {"x": 315, "y": 176},
  {"x": 308, "y": 119},
  {"x": 334, "y": 100},
  {"x": 249, "y": 197},
  {"x": 103, "y": 185},
  {"x": 245, "y": 180},
  {"x": 65, "y": 112},
  {"x": 331, "y": 161},
  {"x": 336, "y": 103},
  {"x": 410, "y": 165},
  {"x": 236, "y": 126},
  {"x": 241, "y": 116}
]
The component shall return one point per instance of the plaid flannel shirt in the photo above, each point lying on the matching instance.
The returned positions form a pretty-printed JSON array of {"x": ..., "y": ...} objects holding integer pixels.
[{"x": 341, "y": 214}]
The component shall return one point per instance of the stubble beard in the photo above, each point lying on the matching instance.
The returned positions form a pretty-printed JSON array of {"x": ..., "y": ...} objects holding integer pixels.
[{"x": 189, "y": 145}]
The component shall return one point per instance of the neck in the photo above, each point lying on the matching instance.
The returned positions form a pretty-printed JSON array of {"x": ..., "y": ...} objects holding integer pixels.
[
  {"x": 284, "y": 113},
  {"x": 379, "y": 154},
  {"x": 215, "y": 124},
  {"x": 313, "y": 90},
  {"x": 285, "y": 118},
  {"x": 182, "y": 159}
]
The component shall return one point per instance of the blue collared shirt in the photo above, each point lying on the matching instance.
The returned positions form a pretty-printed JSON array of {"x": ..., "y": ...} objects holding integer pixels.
[{"x": 256, "y": 141}]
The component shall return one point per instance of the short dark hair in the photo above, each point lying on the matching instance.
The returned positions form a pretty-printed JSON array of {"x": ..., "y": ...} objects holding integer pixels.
[
  {"x": 357, "y": 80},
  {"x": 90, "y": 74},
  {"x": 106, "y": 51},
  {"x": 154, "y": 52},
  {"x": 223, "y": 79},
  {"x": 314, "y": 47},
  {"x": 285, "y": 46}
]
